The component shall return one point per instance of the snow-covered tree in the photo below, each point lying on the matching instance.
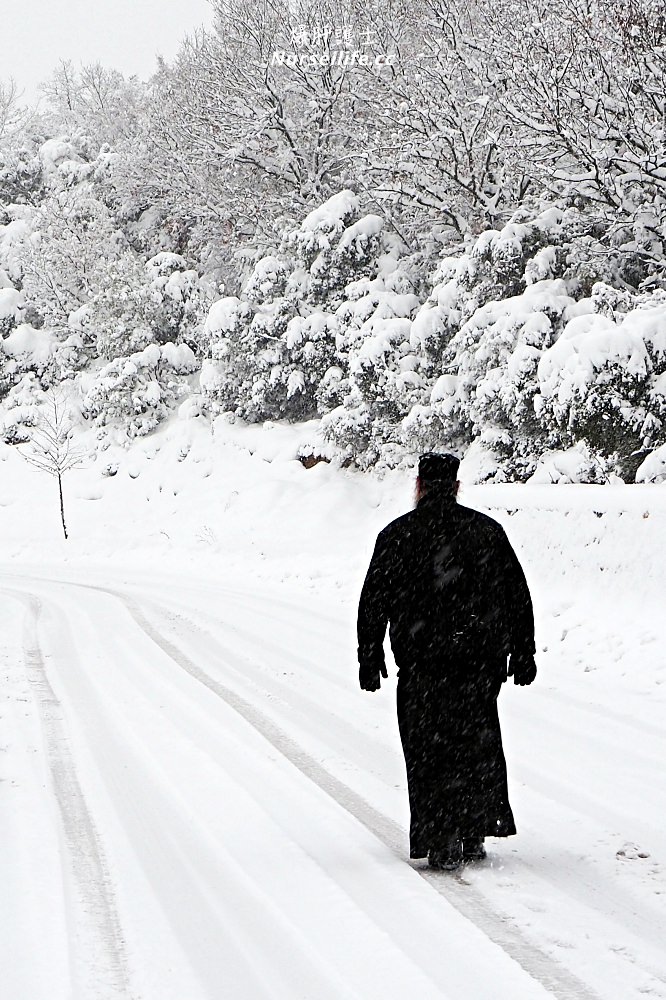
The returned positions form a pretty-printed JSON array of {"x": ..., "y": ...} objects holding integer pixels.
[
  {"x": 20, "y": 407},
  {"x": 136, "y": 393},
  {"x": 64, "y": 258},
  {"x": 582, "y": 86},
  {"x": 159, "y": 302},
  {"x": 434, "y": 225},
  {"x": 604, "y": 383},
  {"x": 382, "y": 377},
  {"x": 271, "y": 351},
  {"x": 93, "y": 103}
]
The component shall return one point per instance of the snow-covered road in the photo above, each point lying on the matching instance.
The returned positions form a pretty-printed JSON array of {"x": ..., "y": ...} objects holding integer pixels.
[{"x": 201, "y": 804}]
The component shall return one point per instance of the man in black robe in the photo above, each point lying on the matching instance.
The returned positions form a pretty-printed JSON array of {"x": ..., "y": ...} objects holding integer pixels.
[{"x": 449, "y": 583}]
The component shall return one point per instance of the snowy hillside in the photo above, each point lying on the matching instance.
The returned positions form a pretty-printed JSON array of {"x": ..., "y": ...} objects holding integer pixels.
[
  {"x": 506, "y": 344},
  {"x": 199, "y": 801}
]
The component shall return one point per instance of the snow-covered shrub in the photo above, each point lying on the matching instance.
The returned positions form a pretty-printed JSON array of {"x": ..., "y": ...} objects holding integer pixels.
[
  {"x": 159, "y": 302},
  {"x": 26, "y": 349},
  {"x": 479, "y": 335},
  {"x": 182, "y": 296},
  {"x": 229, "y": 364},
  {"x": 489, "y": 458},
  {"x": 65, "y": 257},
  {"x": 271, "y": 365},
  {"x": 268, "y": 279},
  {"x": 496, "y": 355},
  {"x": 653, "y": 468},
  {"x": 15, "y": 230},
  {"x": 20, "y": 409},
  {"x": 21, "y": 175},
  {"x": 574, "y": 465},
  {"x": 139, "y": 391},
  {"x": 502, "y": 263},
  {"x": 604, "y": 382},
  {"x": 334, "y": 245},
  {"x": 436, "y": 426},
  {"x": 11, "y": 302},
  {"x": 62, "y": 163},
  {"x": 282, "y": 349},
  {"x": 348, "y": 434},
  {"x": 382, "y": 375},
  {"x": 304, "y": 360}
]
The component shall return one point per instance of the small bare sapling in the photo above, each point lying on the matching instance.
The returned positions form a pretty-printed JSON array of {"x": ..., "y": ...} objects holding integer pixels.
[{"x": 50, "y": 447}]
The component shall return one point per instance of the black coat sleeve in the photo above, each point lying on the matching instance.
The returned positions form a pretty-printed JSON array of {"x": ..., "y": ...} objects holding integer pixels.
[
  {"x": 520, "y": 614},
  {"x": 373, "y": 608}
]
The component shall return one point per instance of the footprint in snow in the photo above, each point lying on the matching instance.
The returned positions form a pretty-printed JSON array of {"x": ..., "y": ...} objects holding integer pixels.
[{"x": 630, "y": 852}]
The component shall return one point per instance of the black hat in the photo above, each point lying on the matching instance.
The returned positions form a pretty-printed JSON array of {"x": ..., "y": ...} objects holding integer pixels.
[{"x": 438, "y": 468}]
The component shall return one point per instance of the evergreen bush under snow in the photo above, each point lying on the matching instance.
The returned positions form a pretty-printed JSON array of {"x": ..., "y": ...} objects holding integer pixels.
[{"x": 504, "y": 346}]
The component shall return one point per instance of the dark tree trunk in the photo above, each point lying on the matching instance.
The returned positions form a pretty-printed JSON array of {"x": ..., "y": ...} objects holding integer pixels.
[{"x": 62, "y": 506}]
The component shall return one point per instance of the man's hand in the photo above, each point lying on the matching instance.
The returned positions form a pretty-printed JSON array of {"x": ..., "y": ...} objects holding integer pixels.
[
  {"x": 369, "y": 674},
  {"x": 522, "y": 668}
]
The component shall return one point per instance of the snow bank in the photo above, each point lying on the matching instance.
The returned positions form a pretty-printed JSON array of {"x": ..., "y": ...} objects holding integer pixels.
[{"x": 247, "y": 485}]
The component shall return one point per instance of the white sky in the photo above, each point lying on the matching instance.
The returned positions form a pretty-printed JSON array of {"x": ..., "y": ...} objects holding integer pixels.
[{"x": 124, "y": 34}]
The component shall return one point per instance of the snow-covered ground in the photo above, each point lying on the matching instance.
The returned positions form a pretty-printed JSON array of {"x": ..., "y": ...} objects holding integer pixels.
[{"x": 196, "y": 800}]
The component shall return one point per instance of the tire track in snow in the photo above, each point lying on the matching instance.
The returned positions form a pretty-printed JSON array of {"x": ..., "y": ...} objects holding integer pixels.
[
  {"x": 97, "y": 960},
  {"x": 260, "y": 923},
  {"x": 275, "y": 686},
  {"x": 261, "y": 601},
  {"x": 579, "y": 888},
  {"x": 556, "y": 979},
  {"x": 582, "y": 892},
  {"x": 605, "y": 712}
]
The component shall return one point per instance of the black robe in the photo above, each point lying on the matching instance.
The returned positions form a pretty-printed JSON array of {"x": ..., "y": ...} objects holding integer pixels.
[{"x": 449, "y": 583}]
